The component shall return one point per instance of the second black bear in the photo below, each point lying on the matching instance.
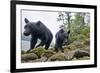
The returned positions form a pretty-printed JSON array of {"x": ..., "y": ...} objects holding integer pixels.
[
  {"x": 38, "y": 31},
  {"x": 61, "y": 37}
]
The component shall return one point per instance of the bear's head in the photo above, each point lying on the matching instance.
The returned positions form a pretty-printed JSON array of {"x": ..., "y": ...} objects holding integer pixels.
[
  {"x": 65, "y": 35},
  {"x": 27, "y": 27},
  {"x": 31, "y": 27}
]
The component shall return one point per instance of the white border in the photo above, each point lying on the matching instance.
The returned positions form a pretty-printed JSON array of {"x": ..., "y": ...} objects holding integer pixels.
[{"x": 20, "y": 65}]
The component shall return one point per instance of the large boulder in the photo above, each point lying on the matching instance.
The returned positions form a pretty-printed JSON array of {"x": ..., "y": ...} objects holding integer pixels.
[
  {"x": 86, "y": 48},
  {"x": 42, "y": 59},
  {"x": 57, "y": 57},
  {"x": 38, "y": 51},
  {"x": 28, "y": 57},
  {"x": 76, "y": 54},
  {"x": 84, "y": 58},
  {"x": 69, "y": 54},
  {"x": 48, "y": 53},
  {"x": 75, "y": 45},
  {"x": 80, "y": 53}
]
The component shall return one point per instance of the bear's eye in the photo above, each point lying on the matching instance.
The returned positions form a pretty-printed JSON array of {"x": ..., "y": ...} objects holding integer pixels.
[{"x": 27, "y": 27}]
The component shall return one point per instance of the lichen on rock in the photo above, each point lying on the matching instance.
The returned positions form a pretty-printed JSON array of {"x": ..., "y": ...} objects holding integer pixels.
[
  {"x": 48, "y": 53},
  {"x": 38, "y": 51}
]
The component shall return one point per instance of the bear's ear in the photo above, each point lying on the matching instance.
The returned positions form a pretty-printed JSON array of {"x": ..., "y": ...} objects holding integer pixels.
[
  {"x": 68, "y": 31},
  {"x": 62, "y": 30},
  {"x": 38, "y": 23},
  {"x": 26, "y": 20}
]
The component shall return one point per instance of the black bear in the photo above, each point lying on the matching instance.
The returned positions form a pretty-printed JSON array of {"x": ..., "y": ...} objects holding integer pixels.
[
  {"x": 61, "y": 37},
  {"x": 38, "y": 31}
]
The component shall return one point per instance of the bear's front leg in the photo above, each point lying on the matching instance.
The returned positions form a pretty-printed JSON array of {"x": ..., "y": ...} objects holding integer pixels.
[
  {"x": 32, "y": 43},
  {"x": 40, "y": 44}
]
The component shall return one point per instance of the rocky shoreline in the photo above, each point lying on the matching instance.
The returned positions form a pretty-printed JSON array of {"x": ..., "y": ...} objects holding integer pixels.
[{"x": 74, "y": 51}]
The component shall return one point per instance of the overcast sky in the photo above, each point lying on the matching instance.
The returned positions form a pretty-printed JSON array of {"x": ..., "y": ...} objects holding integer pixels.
[{"x": 48, "y": 18}]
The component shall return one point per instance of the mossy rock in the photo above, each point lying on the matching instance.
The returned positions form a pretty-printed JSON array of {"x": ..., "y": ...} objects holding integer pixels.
[
  {"x": 48, "y": 53},
  {"x": 76, "y": 45},
  {"x": 80, "y": 53},
  {"x": 86, "y": 42},
  {"x": 51, "y": 49},
  {"x": 66, "y": 49},
  {"x": 85, "y": 58},
  {"x": 23, "y": 52},
  {"x": 42, "y": 59},
  {"x": 71, "y": 46},
  {"x": 28, "y": 56},
  {"x": 57, "y": 57},
  {"x": 86, "y": 48},
  {"x": 69, "y": 54},
  {"x": 38, "y": 51}
]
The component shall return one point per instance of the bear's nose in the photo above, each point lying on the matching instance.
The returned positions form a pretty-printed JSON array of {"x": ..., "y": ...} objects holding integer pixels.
[{"x": 26, "y": 34}]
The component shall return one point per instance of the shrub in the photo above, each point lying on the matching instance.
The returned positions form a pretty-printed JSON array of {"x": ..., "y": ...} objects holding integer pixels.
[{"x": 79, "y": 33}]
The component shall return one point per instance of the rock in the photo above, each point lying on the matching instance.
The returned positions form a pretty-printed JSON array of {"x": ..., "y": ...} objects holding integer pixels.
[
  {"x": 84, "y": 58},
  {"x": 28, "y": 56},
  {"x": 23, "y": 52},
  {"x": 48, "y": 53},
  {"x": 57, "y": 57},
  {"x": 67, "y": 50},
  {"x": 38, "y": 51},
  {"x": 87, "y": 42},
  {"x": 80, "y": 53},
  {"x": 76, "y": 54},
  {"x": 51, "y": 49},
  {"x": 69, "y": 55},
  {"x": 78, "y": 44},
  {"x": 42, "y": 59},
  {"x": 71, "y": 46},
  {"x": 87, "y": 48},
  {"x": 74, "y": 59},
  {"x": 75, "y": 45}
]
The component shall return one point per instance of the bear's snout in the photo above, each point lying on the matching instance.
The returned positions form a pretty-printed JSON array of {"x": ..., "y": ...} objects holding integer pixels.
[{"x": 26, "y": 34}]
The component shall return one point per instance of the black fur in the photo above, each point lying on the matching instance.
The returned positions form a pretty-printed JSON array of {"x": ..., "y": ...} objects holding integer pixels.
[
  {"x": 38, "y": 31},
  {"x": 61, "y": 37}
]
